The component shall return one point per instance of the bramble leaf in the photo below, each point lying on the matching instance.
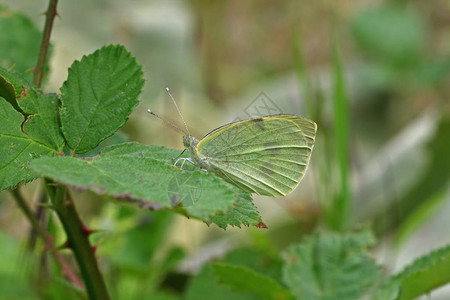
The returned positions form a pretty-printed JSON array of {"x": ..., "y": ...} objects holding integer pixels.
[
  {"x": 16, "y": 148},
  {"x": 329, "y": 266},
  {"x": 145, "y": 175},
  {"x": 99, "y": 94},
  {"x": 246, "y": 279}
]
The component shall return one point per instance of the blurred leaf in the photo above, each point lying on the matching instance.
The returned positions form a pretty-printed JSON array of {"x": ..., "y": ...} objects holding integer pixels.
[
  {"x": 143, "y": 174},
  {"x": 139, "y": 243},
  {"x": 257, "y": 259},
  {"x": 391, "y": 33},
  {"x": 99, "y": 94},
  {"x": 19, "y": 42},
  {"x": 421, "y": 277},
  {"x": 205, "y": 286},
  {"x": 245, "y": 279},
  {"x": 330, "y": 266}
]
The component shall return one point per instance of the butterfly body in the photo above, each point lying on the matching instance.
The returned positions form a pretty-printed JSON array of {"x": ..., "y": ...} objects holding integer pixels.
[{"x": 266, "y": 156}]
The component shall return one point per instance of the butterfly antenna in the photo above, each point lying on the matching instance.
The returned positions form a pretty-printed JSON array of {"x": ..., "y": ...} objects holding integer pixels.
[
  {"x": 185, "y": 125},
  {"x": 167, "y": 121}
]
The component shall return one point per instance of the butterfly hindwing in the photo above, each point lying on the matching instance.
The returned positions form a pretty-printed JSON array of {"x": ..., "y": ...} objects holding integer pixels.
[{"x": 267, "y": 156}]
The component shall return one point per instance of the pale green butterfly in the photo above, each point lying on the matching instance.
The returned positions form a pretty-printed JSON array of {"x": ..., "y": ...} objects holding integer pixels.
[{"x": 267, "y": 156}]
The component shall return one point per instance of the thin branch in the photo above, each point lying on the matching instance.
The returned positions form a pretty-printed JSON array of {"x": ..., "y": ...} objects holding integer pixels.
[
  {"x": 42, "y": 57},
  {"x": 66, "y": 269}
]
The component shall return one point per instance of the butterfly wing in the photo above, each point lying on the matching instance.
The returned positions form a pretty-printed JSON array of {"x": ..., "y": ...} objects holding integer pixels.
[{"x": 266, "y": 156}]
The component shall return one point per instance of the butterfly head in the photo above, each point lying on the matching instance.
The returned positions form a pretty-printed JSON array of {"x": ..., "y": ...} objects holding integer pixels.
[{"x": 189, "y": 141}]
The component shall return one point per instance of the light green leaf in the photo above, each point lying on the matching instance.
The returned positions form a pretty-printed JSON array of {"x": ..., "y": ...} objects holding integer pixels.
[
  {"x": 245, "y": 279},
  {"x": 99, "y": 94},
  {"x": 19, "y": 42},
  {"x": 145, "y": 175},
  {"x": 329, "y": 266},
  {"x": 419, "y": 278},
  {"x": 16, "y": 148}
]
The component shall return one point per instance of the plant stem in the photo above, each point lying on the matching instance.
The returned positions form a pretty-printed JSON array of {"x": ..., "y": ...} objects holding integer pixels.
[
  {"x": 66, "y": 269},
  {"x": 78, "y": 241},
  {"x": 43, "y": 50},
  {"x": 342, "y": 203}
]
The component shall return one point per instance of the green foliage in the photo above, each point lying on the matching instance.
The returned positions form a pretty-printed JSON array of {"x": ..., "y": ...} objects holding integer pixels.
[
  {"x": 145, "y": 175},
  {"x": 421, "y": 277},
  {"x": 19, "y": 42},
  {"x": 99, "y": 94},
  {"x": 39, "y": 134},
  {"x": 391, "y": 33},
  {"x": 242, "y": 278},
  {"x": 330, "y": 266}
]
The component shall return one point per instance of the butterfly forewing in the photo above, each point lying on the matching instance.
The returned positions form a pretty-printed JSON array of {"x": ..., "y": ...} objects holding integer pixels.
[{"x": 267, "y": 156}]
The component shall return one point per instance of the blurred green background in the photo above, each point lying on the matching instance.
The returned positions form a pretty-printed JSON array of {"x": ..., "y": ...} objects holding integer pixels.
[{"x": 229, "y": 60}]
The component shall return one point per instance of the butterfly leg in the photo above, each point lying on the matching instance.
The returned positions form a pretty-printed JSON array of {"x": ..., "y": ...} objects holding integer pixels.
[{"x": 184, "y": 159}]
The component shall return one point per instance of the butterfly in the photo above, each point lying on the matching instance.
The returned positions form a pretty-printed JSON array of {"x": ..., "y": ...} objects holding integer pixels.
[{"x": 266, "y": 156}]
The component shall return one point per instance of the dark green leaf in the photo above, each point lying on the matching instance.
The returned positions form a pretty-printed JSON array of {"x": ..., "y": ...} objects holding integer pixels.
[
  {"x": 16, "y": 148},
  {"x": 99, "y": 94},
  {"x": 143, "y": 174},
  {"x": 40, "y": 111},
  {"x": 245, "y": 279},
  {"x": 330, "y": 266}
]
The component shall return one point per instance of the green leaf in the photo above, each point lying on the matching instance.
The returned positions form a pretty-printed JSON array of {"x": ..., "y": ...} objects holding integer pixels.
[
  {"x": 391, "y": 33},
  {"x": 19, "y": 42},
  {"x": 145, "y": 175},
  {"x": 99, "y": 94},
  {"x": 41, "y": 111},
  {"x": 330, "y": 266},
  {"x": 422, "y": 276},
  {"x": 205, "y": 286},
  {"x": 16, "y": 148},
  {"x": 245, "y": 279},
  {"x": 243, "y": 212}
]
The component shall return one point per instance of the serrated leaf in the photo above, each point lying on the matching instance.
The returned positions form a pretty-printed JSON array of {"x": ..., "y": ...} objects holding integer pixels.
[
  {"x": 16, "y": 148},
  {"x": 243, "y": 212},
  {"x": 422, "y": 276},
  {"x": 19, "y": 42},
  {"x": 40, "y": 111},
  {"x": 144, "y": 174},
  {"x": 329, "y": 266},
  {"x": 245, "y": 279},
  {"x": 99, "y": 94}
]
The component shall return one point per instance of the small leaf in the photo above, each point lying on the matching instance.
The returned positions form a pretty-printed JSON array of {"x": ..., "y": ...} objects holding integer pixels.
[
  {"x": 245, "y": 279},
  {"x": 419, "y": 278},
  {"x": 99, "y": 94},
  {"x": 16, "y": 148},
  {"x": 143, "y": 174},
  {"x": 329, "y": 266}
]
